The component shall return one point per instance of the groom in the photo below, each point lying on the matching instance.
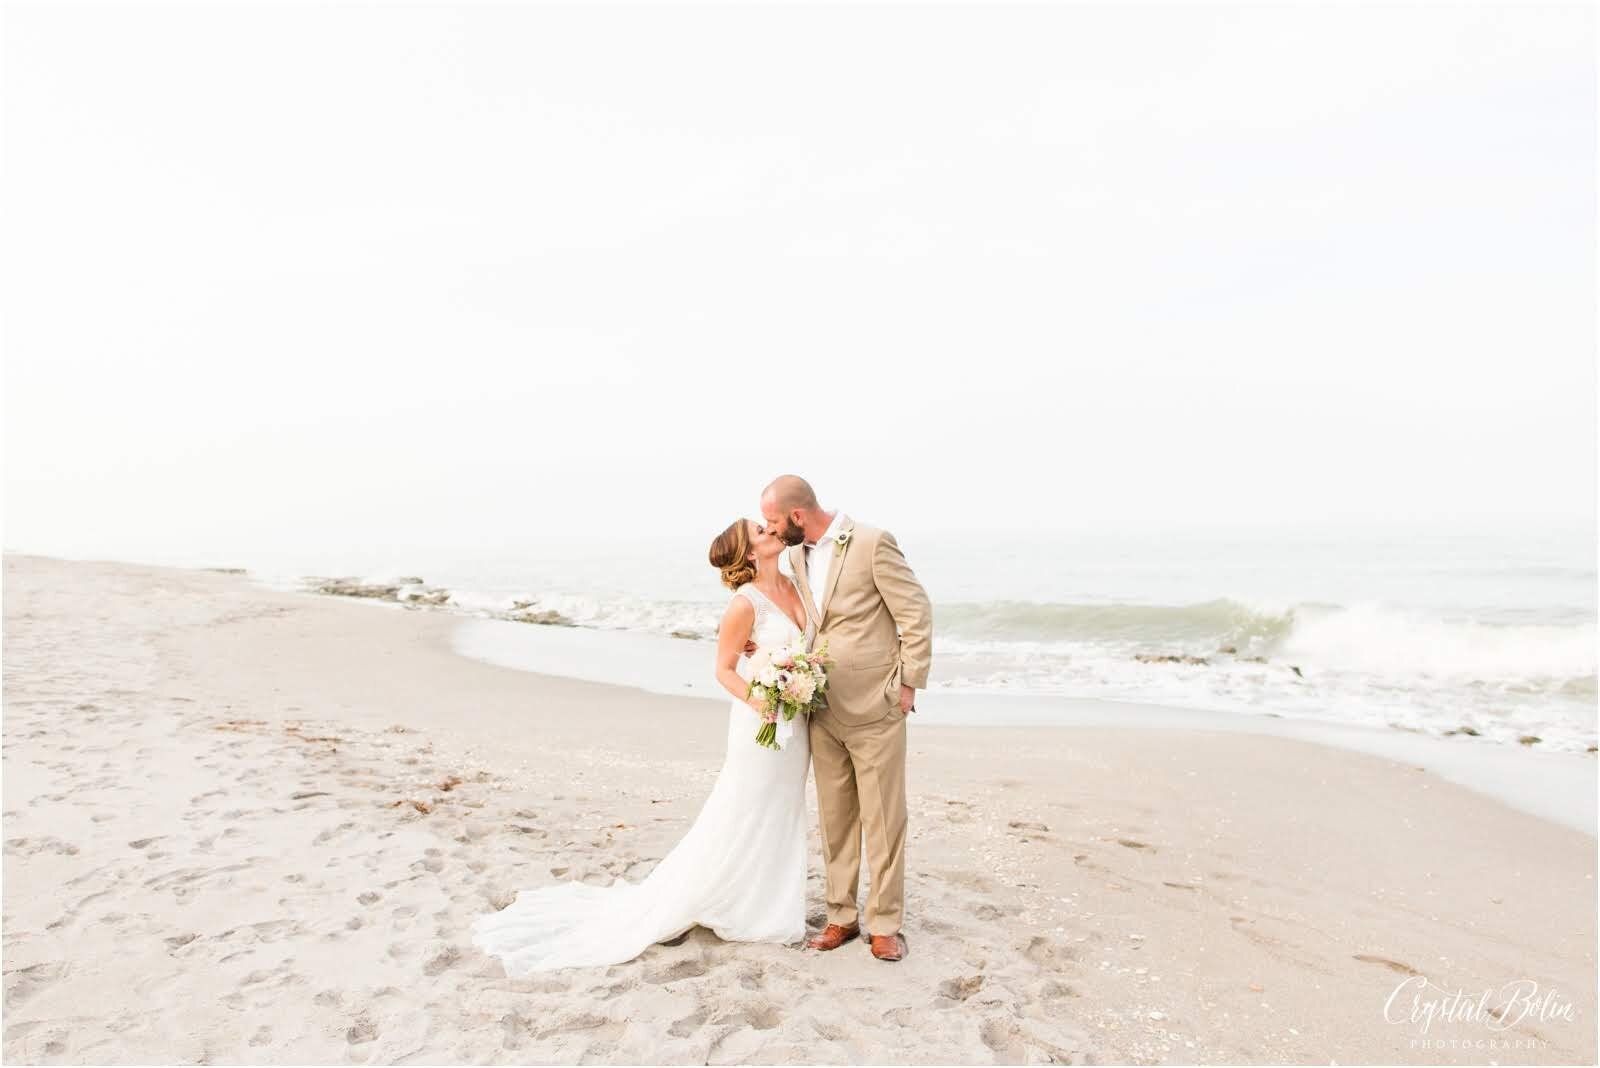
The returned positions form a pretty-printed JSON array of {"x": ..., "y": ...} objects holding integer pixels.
[{"x": 862, "y": 599}]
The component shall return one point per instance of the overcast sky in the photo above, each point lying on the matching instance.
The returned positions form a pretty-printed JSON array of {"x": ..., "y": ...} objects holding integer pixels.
[{"x": 301, "y": 276}]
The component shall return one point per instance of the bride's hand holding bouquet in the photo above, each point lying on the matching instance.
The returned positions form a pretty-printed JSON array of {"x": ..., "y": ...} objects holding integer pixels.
[{"x": 786, "y": 682}]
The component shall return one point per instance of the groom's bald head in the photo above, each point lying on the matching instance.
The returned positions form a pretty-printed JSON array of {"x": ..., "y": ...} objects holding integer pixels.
[
  {"x": 789, "y": 505},
  {"x": 790, "y": 492}
]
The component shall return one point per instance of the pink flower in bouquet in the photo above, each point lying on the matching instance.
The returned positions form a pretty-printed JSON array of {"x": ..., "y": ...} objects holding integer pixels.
[{"x": 801, "y": 689}]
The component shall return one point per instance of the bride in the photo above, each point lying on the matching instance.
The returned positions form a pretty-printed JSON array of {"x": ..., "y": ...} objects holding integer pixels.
[{"x": 741, "y": 868}]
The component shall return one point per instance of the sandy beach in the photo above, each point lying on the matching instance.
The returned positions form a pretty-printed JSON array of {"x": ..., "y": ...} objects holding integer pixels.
[{"x": 253, "y": 826}]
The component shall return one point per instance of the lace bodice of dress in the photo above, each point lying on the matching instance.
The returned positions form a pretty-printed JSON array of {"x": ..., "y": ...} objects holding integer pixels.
[{"x": 773, "y": 627}]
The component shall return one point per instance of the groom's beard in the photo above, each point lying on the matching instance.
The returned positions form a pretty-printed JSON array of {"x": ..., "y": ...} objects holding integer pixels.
[{"x": 791, "y": 534}]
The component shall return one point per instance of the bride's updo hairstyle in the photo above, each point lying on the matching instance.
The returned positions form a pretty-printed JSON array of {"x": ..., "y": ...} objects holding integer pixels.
[{"x": 730, "y": 554}]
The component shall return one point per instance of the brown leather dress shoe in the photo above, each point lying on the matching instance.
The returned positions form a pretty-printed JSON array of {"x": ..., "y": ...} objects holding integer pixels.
[
  {"x": 888, "y": 947},
  {"x": 833, "y": 936}
]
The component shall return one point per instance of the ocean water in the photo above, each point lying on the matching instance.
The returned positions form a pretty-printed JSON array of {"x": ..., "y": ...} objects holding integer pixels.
[{"x": 1432, "y": 631}]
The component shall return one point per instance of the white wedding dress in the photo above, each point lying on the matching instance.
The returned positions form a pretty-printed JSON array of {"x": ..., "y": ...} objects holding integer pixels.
[{"x": 740, "y": 870}]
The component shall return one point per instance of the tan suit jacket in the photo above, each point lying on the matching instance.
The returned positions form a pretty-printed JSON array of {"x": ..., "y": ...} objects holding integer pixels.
[
  {"x": 876, "y": 619},
  {"x": 878, "y": 624}
]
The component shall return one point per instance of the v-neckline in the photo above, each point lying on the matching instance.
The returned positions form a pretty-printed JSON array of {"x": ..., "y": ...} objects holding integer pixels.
[{"x": 797, "y": 626}]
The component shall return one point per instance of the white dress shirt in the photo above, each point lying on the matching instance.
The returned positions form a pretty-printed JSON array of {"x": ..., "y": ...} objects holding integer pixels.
[{"x": 819, "y": 558}]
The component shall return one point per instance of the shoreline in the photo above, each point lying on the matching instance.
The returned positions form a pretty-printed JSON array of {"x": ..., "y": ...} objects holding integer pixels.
[
  {"x": 245, "y": 825},
  {"x": 1526, "y": 681},
  {"x": 1556, "y": 785}
]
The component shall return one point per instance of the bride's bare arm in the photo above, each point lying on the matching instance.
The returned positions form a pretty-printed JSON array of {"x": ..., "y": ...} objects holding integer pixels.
[{"x": 737, "y": 623}]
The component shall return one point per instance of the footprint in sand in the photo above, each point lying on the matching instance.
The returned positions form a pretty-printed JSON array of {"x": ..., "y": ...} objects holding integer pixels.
[
  {"x": 516, "y": 1029},
  {"x": 1049, "y": 955},
  {"x": 1392, "y": 965},
  {"x": 1053, "y": 989},
  {"x": 439, "y": 958},
  {"x": 609, "y": 991},
  {"x": 582, "y": 1021},
  {"x": 37, "y": 1041},
  {"x": 970, "y": 880},
  {"x": 332, "y": 833},
  {"x": 961, "y": 987},
  {"x": 362, "y": 1030},
  {"x": 1001, "y": 1036},
  {"x": 24, "y": 983},
  {"x": 29, "y": 846},
  {"x": 683, "y": 969},
  {"x": 763, "y": 1016},
  {"x": 688, "y": 1025}
]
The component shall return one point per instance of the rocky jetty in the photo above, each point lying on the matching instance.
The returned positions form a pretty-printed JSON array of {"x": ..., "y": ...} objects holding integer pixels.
[
  {"x": 1205, "y": 661},
  {"x": 407, "y": 591},
  {"x": 523, "y": 612},
  {"x": 1169, "y": 658}
]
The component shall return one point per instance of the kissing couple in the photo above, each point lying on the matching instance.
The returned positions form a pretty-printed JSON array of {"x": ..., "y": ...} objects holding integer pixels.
[{"x": 803, "y": 577}]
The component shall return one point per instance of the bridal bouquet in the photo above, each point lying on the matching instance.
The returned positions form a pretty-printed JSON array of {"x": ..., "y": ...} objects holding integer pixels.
[{"x": 787, "y": 681}]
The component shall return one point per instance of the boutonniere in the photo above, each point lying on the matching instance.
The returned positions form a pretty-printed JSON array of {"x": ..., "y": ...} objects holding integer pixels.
[{"x": 840, "y": 540}]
